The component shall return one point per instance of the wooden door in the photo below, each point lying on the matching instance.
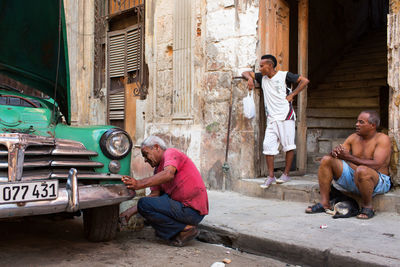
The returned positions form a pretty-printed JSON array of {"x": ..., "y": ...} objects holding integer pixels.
[{"x": 274, "y": 39}]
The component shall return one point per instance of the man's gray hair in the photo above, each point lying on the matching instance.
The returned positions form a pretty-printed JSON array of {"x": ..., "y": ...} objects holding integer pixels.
[
  {"x": 373, "y": 117},
  {"x": 153, "y": 140}
]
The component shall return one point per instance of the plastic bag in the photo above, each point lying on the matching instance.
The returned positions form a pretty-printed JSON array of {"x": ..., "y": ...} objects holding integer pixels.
[{"x": 249, "y": 107}]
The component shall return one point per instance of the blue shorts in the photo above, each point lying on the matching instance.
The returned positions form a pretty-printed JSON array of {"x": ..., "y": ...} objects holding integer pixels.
[{"x": 346, "y": 180}]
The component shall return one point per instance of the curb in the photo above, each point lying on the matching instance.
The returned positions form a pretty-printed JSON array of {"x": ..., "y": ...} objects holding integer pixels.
[{"x": 281, "y": 250}]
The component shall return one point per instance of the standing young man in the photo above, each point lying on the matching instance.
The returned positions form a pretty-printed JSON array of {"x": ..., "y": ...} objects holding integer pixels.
[{"x": 279, "y": 112}]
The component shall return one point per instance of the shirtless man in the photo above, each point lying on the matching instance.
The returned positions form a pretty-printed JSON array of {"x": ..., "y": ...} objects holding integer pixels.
[{"x": 360, "y": 165}]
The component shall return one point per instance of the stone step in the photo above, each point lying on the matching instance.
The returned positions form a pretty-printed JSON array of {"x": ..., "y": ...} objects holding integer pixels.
[
  {"x": 364, "y": 66},
  {"x": 355, "y": 62},
  {"x": 352, "y": 84},
  {"x": 351, "y": 76},
  {"x": 333, "y": 112},
  {"x": 352, "y": 92},
  {"x": 345, "y": 102},
  {"x": 306, "y": 189},
  {"x": 373, "y": 51},
  {"x": 366, "y": 56}
]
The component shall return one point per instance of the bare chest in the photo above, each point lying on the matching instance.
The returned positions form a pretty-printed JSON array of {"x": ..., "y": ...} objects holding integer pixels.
[{"x": 364, "y": 149}]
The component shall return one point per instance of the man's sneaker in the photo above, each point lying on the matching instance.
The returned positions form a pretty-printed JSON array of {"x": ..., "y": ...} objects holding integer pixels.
[
  {"x": 268, "y": 182},
  {"x": 283, "y": 179}
]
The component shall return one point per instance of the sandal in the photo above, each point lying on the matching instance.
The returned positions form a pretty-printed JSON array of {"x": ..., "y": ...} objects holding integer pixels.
[
  {"x": 317, "y": 208},
  {"x": 367, "y": 212},
  {"x": 185, "y": 236}
]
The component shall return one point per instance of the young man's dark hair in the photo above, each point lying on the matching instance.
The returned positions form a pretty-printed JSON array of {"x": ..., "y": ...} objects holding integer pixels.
[
  {"x": 270, "y": 57},
  {"x": 373, "y": 117}
]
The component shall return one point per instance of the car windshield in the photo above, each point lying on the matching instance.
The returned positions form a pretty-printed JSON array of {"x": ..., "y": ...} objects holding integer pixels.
[{"x": 19, "y": 101}]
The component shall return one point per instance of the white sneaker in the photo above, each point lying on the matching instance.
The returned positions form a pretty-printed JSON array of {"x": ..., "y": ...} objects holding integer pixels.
[
  {"x": 268, "y": 182},
  {"x": 283, "y": 179}
]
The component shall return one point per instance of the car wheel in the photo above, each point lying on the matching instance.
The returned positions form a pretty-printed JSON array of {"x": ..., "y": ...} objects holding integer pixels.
[{"x": 100, "y": 224}]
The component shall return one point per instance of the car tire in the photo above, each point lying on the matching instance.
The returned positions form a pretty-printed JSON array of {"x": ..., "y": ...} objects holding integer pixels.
[{"x": 101, "y": 223}]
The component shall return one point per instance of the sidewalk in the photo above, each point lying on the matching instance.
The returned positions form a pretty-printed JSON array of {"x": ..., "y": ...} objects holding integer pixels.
[{"x": 281, "y": 229}]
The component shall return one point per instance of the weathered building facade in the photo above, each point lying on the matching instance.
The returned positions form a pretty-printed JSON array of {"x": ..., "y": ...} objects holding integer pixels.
[{"x": 192, "y": 56}]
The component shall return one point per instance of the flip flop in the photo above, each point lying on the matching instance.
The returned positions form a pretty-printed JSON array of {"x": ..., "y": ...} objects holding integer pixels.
[
  {"x": 367, "y": 212},
  {"x": 317, "y": 208}
]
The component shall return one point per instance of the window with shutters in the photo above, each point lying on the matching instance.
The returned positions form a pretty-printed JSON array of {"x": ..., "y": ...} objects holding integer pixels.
[{"x": 124, "y": 67}]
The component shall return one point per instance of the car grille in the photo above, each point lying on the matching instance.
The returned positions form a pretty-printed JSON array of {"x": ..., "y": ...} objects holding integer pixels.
[{"x": 28, "y": 157}]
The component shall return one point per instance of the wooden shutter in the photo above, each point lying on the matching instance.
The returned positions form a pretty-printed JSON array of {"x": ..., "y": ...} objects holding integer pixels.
[
  {"x": 133, "y": 49},
  {"x": 124, "y": 55},
  {"x": 116, "y": 58}
]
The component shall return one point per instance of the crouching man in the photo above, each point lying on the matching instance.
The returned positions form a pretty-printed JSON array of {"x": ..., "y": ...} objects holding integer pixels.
[
  {"x": 178, "y": 199},
  {"x": 360, "y": 165}
]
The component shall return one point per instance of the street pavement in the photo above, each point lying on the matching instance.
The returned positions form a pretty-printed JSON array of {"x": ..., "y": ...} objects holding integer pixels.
[{"x": 282, "y": 229}]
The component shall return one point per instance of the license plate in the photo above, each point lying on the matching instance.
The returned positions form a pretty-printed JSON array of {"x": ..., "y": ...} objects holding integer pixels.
[{"x": 23, "y": 192}]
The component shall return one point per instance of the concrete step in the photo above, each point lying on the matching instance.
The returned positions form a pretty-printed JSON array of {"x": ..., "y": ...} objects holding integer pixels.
[
  {"x": 306, "y": 189},
  {"x": 281, "y": 229}
]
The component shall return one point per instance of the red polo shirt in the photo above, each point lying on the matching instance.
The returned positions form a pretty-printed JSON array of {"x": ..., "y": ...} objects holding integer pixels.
[{"x": 187, "y": 186}]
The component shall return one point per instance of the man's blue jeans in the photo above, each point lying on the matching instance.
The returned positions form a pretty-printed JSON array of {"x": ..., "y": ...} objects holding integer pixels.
[{"x": 167, "y": 216}]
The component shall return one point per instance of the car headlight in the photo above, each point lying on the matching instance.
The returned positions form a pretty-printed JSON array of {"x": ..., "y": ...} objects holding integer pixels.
[{"x": 115, "y": 143}]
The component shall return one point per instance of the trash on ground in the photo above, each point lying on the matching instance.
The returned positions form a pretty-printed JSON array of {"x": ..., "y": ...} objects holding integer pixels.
[
  {"x": 226, "y": 260},
  {"x": 218, "y": 264}
]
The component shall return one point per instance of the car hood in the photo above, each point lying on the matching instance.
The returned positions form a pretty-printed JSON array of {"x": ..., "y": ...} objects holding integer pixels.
[{"x": 31, "y": 47}]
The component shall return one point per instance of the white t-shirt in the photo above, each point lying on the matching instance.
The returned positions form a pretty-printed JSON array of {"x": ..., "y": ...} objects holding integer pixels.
[{"x": 277, "y": 108}]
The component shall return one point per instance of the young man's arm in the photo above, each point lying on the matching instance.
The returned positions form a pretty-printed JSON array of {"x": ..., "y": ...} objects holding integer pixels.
[
  {"x": 249, "y": 76},
  {"x": 381, "y": 154},
  {"x": 301, "y": 84}
]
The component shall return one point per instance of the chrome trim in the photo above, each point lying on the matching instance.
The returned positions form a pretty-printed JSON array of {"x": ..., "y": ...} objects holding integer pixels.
[
  {"x": 103, "y": 176},
  {"x": 38, "y": 152},
  {"x": 21, "y": 150},
  {"x": 78, "y": 152},
  {"x": 16, "y": 143},
  {"x": 90, "y": 196},
  {"x": 41, "y": 163},
  {"x": 76, "y": 163},
  {"x": 15, "y": 161},
  {"x": 72, "y": 189},
  {"x": 83, "y": 176}
]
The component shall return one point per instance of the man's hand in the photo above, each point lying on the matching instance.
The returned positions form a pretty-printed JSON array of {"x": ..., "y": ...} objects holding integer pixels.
[
  {"x": 250, "y": 84},
  {"x": 131, "y": 183},
  {"x": 340, "y": 152},
  {"x": 289, "y": 98}
]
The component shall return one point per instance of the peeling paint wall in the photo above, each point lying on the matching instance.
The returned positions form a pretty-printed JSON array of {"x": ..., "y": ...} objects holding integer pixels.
[
  {"x": 394, "y": 84},
  {"x": 224, "y": 44},
  {"x": 85, "y": 109}
]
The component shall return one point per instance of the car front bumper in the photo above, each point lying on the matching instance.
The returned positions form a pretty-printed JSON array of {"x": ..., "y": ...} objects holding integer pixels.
[{"x": 70, "y": 199}]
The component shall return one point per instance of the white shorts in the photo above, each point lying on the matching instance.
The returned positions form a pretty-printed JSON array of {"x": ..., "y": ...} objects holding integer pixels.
[{"x": 282, "y": 132}]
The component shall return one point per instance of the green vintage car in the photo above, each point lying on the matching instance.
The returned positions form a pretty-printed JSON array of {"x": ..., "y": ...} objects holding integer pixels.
[{"x": 47, "y": 166}]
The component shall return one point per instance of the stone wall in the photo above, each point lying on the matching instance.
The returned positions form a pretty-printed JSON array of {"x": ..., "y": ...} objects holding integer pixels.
[
  {"x": 85, "y": 108},
  {"x": 224, "y": 44},
  {"x": 394, "y": 84}
]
